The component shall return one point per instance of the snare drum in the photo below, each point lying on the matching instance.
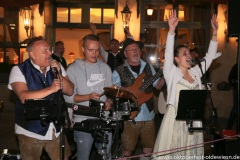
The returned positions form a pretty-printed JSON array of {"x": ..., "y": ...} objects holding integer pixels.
[
  {"x": 81, "y": 113},
  {"x": 124, "y": 107}
]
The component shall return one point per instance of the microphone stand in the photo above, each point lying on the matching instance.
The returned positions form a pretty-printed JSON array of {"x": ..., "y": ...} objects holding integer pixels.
[
  {"x": 116, "y": 154},
  {"x": 213, "y": 114},
  {"x": 60, "y": 114}
]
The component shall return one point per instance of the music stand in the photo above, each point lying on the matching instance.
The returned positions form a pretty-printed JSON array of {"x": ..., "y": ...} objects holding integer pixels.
[
  {"x": 40, "y": 109},
  {"x": 191, "y": 107},
  {"x": 48, "y": 111}
]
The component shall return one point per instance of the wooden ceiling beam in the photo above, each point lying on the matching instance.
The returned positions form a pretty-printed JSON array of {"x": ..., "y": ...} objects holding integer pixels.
[{"x": 19, "y": 3}]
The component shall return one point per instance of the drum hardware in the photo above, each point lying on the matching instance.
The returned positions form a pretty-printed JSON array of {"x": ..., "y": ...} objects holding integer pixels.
[
  {"x": 123, "y": 109},
  {"x": 97, "y": 128},
  {"x": 97, "y": 110},
  {"x": 10, "y": 155},
  {"x": 103, "y": 138},
  {"x": 96, "y": 103},
  {"x": 95, "y": 124},
  {"x": 119, "y": 92},
  {"x": 123, "y": 102},
  {"x": 88, "y": 111}
]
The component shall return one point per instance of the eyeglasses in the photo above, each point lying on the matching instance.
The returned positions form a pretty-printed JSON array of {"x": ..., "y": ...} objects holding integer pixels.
[{"x": 133, "y": 49}]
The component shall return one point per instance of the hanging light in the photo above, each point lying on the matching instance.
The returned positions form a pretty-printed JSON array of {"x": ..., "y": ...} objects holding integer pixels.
[
  {"x": 27, "y": 20},
  {"x": 149, "y": 10},
  {"x": 126, "y": 15}
]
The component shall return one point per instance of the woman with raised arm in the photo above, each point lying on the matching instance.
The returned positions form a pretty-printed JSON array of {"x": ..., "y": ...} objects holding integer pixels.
[{"x": 173, "y": 135}]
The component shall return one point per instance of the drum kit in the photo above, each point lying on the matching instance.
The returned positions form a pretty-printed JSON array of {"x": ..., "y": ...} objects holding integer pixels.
[{"x": 124, "y": 102}]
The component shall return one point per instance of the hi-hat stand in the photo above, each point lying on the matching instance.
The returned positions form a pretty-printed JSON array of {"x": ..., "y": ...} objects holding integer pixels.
[
  {"x": 103, "y": 138},
  {"x": 116, "y": 153}
]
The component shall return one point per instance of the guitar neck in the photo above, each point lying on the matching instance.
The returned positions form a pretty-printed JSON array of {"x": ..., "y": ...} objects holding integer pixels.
[{"x": 148, "y": 82}]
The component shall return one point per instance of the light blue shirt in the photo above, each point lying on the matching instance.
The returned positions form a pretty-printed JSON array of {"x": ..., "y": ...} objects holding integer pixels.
[{"x": 144, "y": 114}]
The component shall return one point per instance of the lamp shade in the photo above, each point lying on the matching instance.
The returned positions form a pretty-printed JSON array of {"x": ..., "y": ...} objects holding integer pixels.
[
  {"x": 71, "y": 54},
  {"x": 149, "y": 11},
  {"x": 126, "y": 15},
  {"x": 26, "y": 15}
]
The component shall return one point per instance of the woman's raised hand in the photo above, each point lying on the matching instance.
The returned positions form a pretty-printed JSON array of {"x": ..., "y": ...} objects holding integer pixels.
[
  {"x": 172, "y": 21},
  {"x": 214, "y": 22}
]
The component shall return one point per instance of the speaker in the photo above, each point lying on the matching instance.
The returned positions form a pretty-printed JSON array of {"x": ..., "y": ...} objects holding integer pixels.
[
  {"x": 233, "y": 18},
  {"x": 227, "y": 147},
  {"x": 232, "y": 147}
]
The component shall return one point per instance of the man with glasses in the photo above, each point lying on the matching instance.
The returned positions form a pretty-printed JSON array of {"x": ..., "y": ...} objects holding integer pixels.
[{"x": 142, "y": 125}]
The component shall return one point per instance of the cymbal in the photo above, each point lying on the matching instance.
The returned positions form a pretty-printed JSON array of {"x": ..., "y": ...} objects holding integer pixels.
[{"x": 119, "y": 92}]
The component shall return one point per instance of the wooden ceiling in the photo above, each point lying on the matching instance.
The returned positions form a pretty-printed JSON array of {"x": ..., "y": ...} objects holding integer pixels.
[
  {"x": 210, "y": 1},
  {"x": 25, "y": 3},
  {"x": 19, "y": 3}
]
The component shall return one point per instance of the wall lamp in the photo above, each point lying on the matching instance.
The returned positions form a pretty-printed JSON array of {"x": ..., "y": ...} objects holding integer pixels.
[
  {"x": 27, "y": 15},
  {"x": 150, "y": 11},
  {"x": 126, "y": 15},
  {"x": 71, "y": 55}
]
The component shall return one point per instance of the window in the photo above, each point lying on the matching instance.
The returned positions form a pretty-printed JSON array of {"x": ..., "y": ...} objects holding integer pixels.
[
  {"x": 108, "y": 16},
  {"x": 95, "y": 15},
  {"x": 193, "y": 28},
  {"x": 75, "y": 15},
  {"x": 62, "y": 15},
  {"x": 159, "y": 12},
  {"x": 193, "y": 13}
]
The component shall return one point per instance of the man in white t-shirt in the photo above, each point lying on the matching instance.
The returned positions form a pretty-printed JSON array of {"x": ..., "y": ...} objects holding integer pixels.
[{"x": 38, "y": 78}]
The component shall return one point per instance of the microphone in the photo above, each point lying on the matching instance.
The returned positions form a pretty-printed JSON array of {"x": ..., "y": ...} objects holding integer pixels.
[
  {"x": 196, "y": 60},
  {"x": 56, "y": 72}
]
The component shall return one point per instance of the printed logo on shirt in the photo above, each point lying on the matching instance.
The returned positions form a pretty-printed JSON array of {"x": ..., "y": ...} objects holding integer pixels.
[{"x": 95, "y": 79}]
